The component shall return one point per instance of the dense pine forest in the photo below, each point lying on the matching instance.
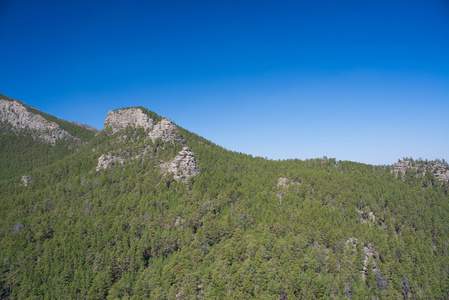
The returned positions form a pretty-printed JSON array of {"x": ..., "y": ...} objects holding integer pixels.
[{"x": 243, "y": 227}]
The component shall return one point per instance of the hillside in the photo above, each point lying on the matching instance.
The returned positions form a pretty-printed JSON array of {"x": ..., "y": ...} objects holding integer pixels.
[
  {"x": 146, "y": 209},
  {"x": 30, "y": 138}
]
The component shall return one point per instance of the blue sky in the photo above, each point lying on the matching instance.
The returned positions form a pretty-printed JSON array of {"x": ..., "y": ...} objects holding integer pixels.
[{"x": 365, "y": 81}]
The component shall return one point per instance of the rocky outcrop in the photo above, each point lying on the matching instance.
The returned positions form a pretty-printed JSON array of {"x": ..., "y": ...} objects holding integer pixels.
[
  {"x": 441, "y": 172},
  {"x": 402, "y": 166},
  {"x": 135, "y": 117},
  {"x": 351, "y": 243},
  {"x": 369, "y": 261},
  {"x": 26, "y": 180},
  {"x": 369, "y": 257},
  {"x": 439, "y": 169},
  {"x": 165, "y": 130},
  {"x": 182, "y": 166},
  {"x": 367, "y": 217},
  {"x": 19, "y": 118},
  {"x": 121, "y": 118},
  {"x": 285, "y": 182},
  {"x": 107, "y": 160}
]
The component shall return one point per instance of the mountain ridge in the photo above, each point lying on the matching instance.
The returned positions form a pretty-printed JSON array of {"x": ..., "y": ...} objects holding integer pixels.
[{"x": 176, "y": 216}]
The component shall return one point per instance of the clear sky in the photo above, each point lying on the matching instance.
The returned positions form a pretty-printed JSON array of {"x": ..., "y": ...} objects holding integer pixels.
[{"x": 357, "y": 80}]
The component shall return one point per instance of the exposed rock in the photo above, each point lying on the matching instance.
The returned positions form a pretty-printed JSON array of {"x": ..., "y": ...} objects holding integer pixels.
[
  {"x": 351, "y": 243},
  {"x": 439, "y": 169},
  {"x": 369, "y": 254},
  {"x": 442, "y": 173},
  {"x": 26, "y": 180},
  {"x": 180, "y": 222},
  {"x": 135, "y": 117},
  {"x": 283, "y": 181},
  {"x": 17, "y": 115},
  {"x": 165, "y": 130},
  {"x": 402, "y": 166},
  {"x": 182, "y": 166},
  {"x": 107, "y": 160},
  {"x": 367, "y": 217},
  {"x": 121, "y": 118}
]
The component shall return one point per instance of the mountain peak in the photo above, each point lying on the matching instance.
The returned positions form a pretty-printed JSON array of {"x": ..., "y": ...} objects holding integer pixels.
[
  {"x": 121, "y": 118},
  {"x": 135, "y": 117},
  {"x": 17, "y": 115}
]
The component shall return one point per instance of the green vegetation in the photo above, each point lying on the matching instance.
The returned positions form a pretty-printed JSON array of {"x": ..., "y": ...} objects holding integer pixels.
[
  {"x": 75, "y": 130},
  {"x": 231, "y": 232},
  {"x": 7, "y": 98},
  {"x": 20, "y": 152}
]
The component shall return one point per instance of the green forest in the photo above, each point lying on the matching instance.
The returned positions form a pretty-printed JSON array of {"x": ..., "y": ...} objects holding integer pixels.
[{"x": 244, "y": 228}]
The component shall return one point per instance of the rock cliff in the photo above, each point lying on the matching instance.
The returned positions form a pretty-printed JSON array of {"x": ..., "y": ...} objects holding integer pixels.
[
  {"x": 183, "y": 165},
  {"x": 166, "y": 130},
  {"x": 121, "y": 118},
  {"x": 439, "y": 169},
  {"x": 107, "y": 160},
  {"x": 15, "y": 114}
]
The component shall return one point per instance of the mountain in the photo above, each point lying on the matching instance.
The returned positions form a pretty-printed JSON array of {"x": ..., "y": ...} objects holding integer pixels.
[
  {"x": 147, "y": 209},
  {"x": 30, "y": 138}
]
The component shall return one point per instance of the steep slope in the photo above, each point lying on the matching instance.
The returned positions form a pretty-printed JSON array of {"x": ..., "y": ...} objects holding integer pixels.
[
  {"x": 83, "y": 228},
  {"x": 30, "y": 138}
]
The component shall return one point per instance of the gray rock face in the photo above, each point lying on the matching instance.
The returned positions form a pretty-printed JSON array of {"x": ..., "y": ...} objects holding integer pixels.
[
  {"x": 370, "y": 256},
  {"x": 367, "y": 217},
  {"x": 17, "y": 115},
  {"x": 182, "y": 166},
  {"x": 440, "y": 170},
  {"x": 402, "y": 166},
  {"x": 135, "y": 117},
  {"x": 107, "y": 160},
  {"x": 121, "y": 118},
  {"x": 351, "y": 243},
  {"x": 442, "y": 173},
  {"x": 26, "y": 180},
  {"x": 166, "y": 130},
  {"x": 284, "y": 182}
]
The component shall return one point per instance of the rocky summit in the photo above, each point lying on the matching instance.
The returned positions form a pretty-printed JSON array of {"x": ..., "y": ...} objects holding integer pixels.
[
  {"x": 438, "y": 168},
  {"x": 21, "y": 119},
  {"x": 121, "y": 118},
  {"x": 136, "y": 117},
  {"x": 182, "y": 166}
]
